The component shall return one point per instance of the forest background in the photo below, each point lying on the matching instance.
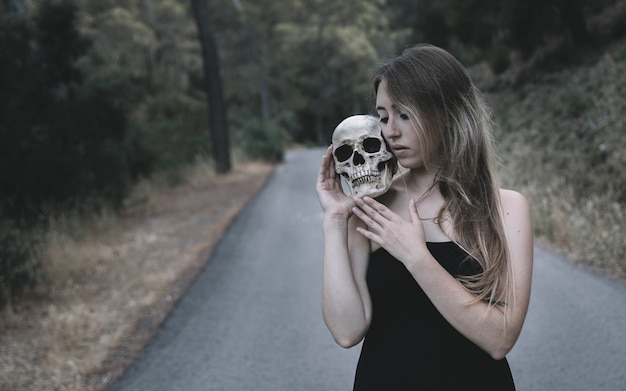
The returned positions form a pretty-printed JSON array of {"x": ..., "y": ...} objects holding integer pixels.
[{"x": 99, "y": 97}]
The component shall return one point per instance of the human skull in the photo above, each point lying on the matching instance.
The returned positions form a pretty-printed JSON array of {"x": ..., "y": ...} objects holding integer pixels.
[{"x": 361, "y": 156}]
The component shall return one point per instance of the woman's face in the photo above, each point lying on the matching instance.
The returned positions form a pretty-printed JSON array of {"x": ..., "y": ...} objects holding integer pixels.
[{"x": 398, "y": 130}]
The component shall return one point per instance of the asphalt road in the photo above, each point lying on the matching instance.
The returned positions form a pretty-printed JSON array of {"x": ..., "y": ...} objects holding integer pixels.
[{"x": 252, "y": 320}]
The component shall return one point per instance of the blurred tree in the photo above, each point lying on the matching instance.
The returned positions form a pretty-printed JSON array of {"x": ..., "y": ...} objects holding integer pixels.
[
  {"x": 476, "y": 28},
  {"x": 258, "y": 56},
  {"x": 16, "y": 7},
  {"x": 155, "y": 42},
  {"x": 327, "y": 54},
  {"x": 213, "y": 82},
  {"x": 126, "y": 38},
  {"x": 474, "y": 22},
  {"x": 433, "y": 26},
  {"x": 252, "y": 78},
  {"x": 528, "y": 23},
  {"x": 63, "y": 133},
  {"x": 575, "y": 20}
]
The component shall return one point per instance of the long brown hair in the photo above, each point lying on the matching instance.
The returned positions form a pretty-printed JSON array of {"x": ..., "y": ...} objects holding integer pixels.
[{"x": 455, "y": 131}]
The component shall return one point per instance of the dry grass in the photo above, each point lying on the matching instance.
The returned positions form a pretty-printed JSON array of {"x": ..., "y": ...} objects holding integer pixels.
[
  {"x": 112, "y": 281},
  {"x": 591, "y": 231},
  {"x": 563, "y": 144}
]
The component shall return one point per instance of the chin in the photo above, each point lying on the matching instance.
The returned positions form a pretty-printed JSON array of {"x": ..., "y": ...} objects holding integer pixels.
[{"x": 411, "y": 164}]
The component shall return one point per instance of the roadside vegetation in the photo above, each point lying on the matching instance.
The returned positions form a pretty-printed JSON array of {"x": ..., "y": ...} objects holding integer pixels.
[
  {"x": 563, "y": 140},
  {"x": 112, "y": 278}
]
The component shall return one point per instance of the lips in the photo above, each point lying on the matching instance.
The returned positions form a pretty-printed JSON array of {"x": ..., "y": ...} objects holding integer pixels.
[{"x": 398, "y": 148}]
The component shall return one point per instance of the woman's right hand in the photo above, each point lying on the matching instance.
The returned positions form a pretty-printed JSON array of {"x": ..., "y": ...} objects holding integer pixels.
[{"x": 329, "y": 191}]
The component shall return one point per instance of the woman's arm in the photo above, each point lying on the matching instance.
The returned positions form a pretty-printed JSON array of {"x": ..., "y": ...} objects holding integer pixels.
[
  {"x": 346, "y": 305},
  {"x": 495, "y": 329}
]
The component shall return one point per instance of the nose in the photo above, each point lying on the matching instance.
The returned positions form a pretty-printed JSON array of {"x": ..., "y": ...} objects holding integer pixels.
[
  {"x": 357, "y": 159},
  {"x": 390, "y": 130}
]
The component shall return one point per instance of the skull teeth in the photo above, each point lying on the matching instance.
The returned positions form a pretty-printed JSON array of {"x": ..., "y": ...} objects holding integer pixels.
[
  {"x": 365, "y": 179},
  {"x": 365, "y": 175}
]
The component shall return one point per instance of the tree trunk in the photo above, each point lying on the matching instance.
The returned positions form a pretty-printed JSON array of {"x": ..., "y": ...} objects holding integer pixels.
[
  {"x": 213, "y": 81},
  {"x": 321, "y": 85},
  {"x": 575, "y": 20}
]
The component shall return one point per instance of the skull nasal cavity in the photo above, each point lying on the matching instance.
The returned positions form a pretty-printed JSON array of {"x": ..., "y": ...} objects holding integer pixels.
[{"x": 357, "y": 159}]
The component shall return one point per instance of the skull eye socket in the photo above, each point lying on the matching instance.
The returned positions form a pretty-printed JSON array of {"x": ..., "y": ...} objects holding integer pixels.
[
  {"x": 343, "y": 153},
  {"x": 371, "y": 145}
]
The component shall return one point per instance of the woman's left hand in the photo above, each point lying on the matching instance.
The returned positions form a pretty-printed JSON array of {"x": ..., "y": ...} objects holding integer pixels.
[{"x": 403, "y": 239}]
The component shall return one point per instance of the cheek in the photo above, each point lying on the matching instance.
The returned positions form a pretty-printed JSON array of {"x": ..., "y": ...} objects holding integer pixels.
[{"x": 412, "y": 137}]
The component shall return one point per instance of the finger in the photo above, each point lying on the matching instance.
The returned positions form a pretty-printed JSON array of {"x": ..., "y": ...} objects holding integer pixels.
[
  {"x": 367, "y": 219},
  {"x": 324, "y": 164},
  {"x": 374, "y": 209},
  {"x": 380, "y": 208},
  {"x": 327, "y": 166},
  {"x": 321, "y": 174},
  {"x": 332, "y": 172},
  {"x": 367, "y": 212}
]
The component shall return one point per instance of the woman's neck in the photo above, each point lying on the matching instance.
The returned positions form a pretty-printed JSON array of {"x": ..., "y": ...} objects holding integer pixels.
[{"x": 419, "y": 182}]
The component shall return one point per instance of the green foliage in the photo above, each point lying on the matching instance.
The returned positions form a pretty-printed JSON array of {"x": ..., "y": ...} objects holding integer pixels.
[
  {"x": 174, "y": 130},
  {"x": 433, "y": 26},
  {"x": 475, "y": 23},
  {"x": 155, "y": 45},
  {"x": 63, "y": 131},
  {"x": 263, "y": 140},
  {"x": 493, "y": 25},
  {"x": 328, "y": 80}
]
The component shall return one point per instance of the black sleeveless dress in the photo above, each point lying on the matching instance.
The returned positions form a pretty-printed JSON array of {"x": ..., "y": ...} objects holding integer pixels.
[{"x": 409, "y": 345}]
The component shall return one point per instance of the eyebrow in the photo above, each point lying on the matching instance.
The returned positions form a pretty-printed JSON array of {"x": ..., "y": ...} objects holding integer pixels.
[{"x": 393, "y": 107}]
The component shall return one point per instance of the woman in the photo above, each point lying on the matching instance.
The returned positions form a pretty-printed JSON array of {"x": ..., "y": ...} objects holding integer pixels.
[{"x": 435, "y": 274}]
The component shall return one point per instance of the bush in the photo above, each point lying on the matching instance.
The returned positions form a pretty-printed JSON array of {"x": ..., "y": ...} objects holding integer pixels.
[
  {"x": 575, "y": 100},
  {"x": 263, "y": 140},
  {"x": 19, "y": 267},
  {"x": 499, "y": 60},
  {"x": 564, "y": 150}
]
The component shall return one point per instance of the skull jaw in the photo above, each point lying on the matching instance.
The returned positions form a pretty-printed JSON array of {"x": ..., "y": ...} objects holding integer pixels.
[
  {"x": 371, "y": 185},
  {"x": 372, "y": 190}
]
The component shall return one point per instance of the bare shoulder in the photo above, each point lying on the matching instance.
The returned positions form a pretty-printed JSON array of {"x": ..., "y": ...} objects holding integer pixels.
[
  {"x": 518, "y": 223},
  {"x": 513, "y": 199},
  {"x": 515, "y": 207}
]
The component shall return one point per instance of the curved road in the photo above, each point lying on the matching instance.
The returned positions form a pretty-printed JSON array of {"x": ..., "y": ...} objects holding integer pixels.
[{"x": 252, "y": 320}]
